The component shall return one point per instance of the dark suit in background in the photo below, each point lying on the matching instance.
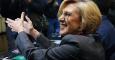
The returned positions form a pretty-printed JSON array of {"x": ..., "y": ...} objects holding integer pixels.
[
  {"x": 35, "y": 11},
  {"x": 107, "y": 28}
]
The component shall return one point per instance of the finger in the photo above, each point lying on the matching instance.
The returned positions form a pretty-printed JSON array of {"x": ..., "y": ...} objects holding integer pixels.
[
  {"x": 17, "y": 19},
  {"x": 28, "y": 19},
  {"x": 9, "y": 25},
  {"x": 13, "y": 30},
  {"x": 10, "y": 20},
  {"x": 7, "y": 22},
  {"x": 22, "y": 16}
]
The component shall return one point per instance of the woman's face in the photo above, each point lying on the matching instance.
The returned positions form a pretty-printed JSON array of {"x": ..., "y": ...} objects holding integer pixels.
[{"x": 69, "y": 20}]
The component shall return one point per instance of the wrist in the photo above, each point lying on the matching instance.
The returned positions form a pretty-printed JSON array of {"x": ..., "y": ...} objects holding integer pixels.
[
  {"x": 20, "y": 30},
  {"x": 34, "y": 33}
]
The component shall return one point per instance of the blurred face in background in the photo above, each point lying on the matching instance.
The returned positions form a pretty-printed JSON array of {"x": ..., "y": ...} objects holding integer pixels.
[
  {"x": 28, "y": 1},
  {"x": 49, "y": 1},
  {"x": 69, "y": 20}
]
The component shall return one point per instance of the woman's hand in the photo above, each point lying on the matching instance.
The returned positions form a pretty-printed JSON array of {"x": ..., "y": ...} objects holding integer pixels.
[
  {"x": 28, "y": 27},
  {"x": 17, "y": 24}
]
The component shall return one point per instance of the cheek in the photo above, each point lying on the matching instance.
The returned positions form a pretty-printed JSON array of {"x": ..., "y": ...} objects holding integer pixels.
[
  {"x": 74, "y": 21},
  {"x": 73, "y": 26}
]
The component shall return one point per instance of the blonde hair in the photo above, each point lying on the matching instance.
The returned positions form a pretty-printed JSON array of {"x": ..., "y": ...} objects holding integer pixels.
[{"x": 89, "y": 13}]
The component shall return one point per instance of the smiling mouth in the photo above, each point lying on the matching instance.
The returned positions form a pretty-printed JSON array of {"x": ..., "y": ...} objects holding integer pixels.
[{"x": 62, "y": 26}]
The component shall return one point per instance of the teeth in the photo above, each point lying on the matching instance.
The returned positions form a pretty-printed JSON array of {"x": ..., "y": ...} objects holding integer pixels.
[{"x": 62, "y": 23}]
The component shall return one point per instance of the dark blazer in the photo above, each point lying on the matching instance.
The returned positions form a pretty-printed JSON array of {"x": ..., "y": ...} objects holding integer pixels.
[
  {"x": 72, "y": 47},
  {"x": 107, "y": 33},
  {"x": 111, "y": 13}
]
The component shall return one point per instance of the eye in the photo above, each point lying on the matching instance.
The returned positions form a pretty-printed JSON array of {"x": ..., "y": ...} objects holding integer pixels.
[{"x": 67, "y": 14}]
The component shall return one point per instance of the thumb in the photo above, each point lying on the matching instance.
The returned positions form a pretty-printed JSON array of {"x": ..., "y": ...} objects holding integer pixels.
[
  {"x": 28, "y": 19},
  {"x": 22, "y": 16}
]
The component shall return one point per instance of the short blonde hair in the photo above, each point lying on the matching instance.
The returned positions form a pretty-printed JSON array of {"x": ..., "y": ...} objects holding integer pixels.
[{"x": 89, "y": 13}]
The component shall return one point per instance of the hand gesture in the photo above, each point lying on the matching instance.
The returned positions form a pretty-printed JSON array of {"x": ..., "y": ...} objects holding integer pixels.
[
  {"x": 28, "y": 27},
  {"x": 17, "y": 24}
]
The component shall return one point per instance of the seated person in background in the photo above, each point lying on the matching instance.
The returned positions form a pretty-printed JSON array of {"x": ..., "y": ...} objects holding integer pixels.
[
  {"x": 106, "y": 29},
  {"x": 78, "y": 19}
]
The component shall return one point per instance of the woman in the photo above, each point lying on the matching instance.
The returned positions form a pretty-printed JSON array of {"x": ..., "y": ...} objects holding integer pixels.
[{"x": 78, "y": 23}]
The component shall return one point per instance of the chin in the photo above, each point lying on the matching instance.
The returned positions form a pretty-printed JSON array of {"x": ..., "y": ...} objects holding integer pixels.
[{"x": 63, "y": 33}]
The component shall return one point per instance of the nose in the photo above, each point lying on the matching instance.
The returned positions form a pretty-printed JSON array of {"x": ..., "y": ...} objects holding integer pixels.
[{"x": 61, "y": 18}]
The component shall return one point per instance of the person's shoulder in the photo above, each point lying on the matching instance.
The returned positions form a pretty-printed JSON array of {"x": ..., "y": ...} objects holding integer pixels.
[{"x": 77, "y": 39}]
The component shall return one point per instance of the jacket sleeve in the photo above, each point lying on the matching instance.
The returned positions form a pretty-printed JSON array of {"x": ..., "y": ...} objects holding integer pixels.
[
  {"x": 43, "y": 42},
  {"x": 24, "y": 43},
  {"x": 63, "y": 52}
]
